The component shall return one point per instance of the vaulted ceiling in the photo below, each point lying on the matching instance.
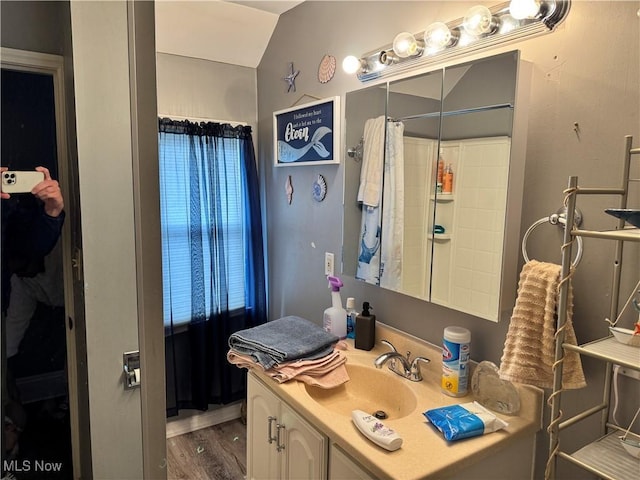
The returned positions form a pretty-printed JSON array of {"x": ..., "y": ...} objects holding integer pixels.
[{"x": 235, "y": 32}]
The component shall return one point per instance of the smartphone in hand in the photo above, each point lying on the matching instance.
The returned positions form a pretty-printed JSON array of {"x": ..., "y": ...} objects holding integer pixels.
[{"x": 14, "y": 181}]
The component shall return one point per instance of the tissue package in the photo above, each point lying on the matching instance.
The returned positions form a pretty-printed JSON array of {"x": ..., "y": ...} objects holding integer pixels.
[{"x": 464, "y": 420}]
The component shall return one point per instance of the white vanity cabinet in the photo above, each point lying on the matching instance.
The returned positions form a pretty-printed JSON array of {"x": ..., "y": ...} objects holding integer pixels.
[
  {"x": 280, "y": 444},
  {"x": 341, "y": 467}
]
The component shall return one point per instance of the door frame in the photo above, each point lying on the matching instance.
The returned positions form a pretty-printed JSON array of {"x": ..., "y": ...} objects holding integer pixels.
[
  {"x": 146, "y": 181},
  {"x": 53, "y": 65}
]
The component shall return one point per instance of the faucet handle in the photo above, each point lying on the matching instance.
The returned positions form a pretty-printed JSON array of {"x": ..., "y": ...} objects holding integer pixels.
[
  {"x": 416, "y": 376},
  {"x": 392, "y": 362},
  {"x": 389, "y": 344}
]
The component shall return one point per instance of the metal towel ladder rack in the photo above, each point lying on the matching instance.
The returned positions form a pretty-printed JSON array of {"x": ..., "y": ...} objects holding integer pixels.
[{"x": 605, "y": 457}]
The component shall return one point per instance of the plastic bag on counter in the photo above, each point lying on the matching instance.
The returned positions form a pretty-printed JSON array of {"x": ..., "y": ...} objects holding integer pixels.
[{"x": 464, "y": 420}]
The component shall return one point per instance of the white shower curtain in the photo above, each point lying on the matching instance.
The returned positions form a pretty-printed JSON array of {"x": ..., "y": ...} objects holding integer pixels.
[
  {"x": 381, "y": 181},
  {"x": 393, "y": 208}
]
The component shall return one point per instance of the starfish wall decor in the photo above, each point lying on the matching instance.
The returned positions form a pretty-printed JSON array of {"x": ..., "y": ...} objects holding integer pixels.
[{"x": 291, "y": 78}]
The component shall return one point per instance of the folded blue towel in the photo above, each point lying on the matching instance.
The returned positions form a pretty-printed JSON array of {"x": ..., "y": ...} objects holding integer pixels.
[{"x": 285, "y": 339}]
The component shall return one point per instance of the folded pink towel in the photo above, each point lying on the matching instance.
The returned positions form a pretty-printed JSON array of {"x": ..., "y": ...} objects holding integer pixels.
[
  {"x": 325, "y": 372},
  {"x": 322, "y": 366},
  {"x": 332, "y": 379}
]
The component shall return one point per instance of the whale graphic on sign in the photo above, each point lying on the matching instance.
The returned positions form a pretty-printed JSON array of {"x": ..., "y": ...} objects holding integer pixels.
[{"x": 289, "y": 154}]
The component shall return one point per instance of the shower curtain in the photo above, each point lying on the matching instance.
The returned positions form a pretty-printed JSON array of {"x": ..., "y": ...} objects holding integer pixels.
[
  {"x": 393, "y": 208},
  {"x": 381, "y": 193}
]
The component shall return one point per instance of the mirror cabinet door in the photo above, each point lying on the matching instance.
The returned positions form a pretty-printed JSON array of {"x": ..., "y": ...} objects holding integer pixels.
[
  {"x": 475, "y": 140},
  {"x": 363, "y": 108},
  {"x": 414, "y": 108}
]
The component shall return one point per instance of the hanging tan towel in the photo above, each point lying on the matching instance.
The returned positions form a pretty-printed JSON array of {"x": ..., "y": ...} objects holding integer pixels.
[{"x": 529, "y": 349}]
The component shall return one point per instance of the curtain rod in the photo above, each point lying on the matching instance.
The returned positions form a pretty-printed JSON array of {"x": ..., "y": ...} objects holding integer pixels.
[
  {"x": 453, "y": 112},
  {"x": 199, "y": 119}
]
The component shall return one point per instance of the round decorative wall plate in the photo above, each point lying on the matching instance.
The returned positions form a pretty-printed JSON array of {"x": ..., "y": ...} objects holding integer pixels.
[
  {"x": 327, "y": 68},
  {"x": 319, "y": 189}
]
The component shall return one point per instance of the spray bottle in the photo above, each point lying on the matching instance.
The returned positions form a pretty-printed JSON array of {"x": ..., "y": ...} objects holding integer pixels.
[{"x": 335, "y": 317}]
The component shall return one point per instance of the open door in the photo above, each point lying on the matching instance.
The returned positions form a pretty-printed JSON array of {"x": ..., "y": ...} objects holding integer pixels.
[{"x": 116, "y": 120}]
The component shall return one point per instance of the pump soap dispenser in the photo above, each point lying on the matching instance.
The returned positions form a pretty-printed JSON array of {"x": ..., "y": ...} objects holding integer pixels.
[{"x": 365, "y": 328}]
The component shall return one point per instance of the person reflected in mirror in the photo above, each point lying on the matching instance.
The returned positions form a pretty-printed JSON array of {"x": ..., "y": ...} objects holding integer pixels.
[
  {"x": 45, "y": 287},
  {"x": 31, "y": 226}
]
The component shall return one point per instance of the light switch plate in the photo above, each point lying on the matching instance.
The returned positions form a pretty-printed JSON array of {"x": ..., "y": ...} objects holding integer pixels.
[{"x": 328, "y": 263}]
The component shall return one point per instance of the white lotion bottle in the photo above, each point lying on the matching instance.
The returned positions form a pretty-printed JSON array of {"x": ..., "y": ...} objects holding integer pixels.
[
  {"x": 376, "y": 431},
  {"x": 334, "y": 319}
]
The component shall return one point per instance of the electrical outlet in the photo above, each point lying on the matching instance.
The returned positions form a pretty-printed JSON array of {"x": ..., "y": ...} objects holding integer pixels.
[
  {"x": 328, "y": 263},
  {"x": 629, "y": 372}
]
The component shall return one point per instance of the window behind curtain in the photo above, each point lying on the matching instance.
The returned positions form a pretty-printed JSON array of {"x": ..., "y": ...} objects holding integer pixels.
[{"x": 176, "y": 214}]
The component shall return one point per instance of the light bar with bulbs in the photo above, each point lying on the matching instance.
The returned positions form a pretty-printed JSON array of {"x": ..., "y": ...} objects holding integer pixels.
[{"x": 481, "y": 27}]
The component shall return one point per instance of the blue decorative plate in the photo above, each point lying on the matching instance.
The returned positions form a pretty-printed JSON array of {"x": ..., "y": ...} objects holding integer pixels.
[
  {"x": 319, "y": 189},
  {"x": 629, "y": 215}
]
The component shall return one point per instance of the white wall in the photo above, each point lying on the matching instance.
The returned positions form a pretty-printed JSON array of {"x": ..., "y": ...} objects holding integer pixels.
[
  {"x": 587, "y": 71},
  {"x": 191, "y": 87}
]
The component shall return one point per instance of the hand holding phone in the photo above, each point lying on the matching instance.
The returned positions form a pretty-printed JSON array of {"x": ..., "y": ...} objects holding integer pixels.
[{"x": 14, "y": 181}]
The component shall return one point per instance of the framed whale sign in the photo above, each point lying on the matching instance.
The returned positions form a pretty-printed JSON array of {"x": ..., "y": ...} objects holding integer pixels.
[{"x": 307, "y": 134}]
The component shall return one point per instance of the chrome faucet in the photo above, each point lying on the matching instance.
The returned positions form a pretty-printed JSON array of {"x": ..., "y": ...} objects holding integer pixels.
[{"x": 409, "y": 369}]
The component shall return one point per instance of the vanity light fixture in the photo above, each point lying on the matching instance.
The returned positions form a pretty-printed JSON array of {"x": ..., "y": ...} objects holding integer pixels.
[{"x": 479, "y": 29}]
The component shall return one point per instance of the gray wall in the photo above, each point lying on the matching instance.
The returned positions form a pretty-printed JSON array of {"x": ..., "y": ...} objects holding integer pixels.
[
  {"x": 585, "y": 72},
  {"x": 34, "y": 26}
]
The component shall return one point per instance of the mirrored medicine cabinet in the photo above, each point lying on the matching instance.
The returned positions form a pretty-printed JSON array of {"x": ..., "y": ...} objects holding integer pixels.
[{"x": 409, "y": 228}]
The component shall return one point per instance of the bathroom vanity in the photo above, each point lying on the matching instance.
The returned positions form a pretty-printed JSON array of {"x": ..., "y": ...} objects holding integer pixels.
[{"x": 298, "y": 431}]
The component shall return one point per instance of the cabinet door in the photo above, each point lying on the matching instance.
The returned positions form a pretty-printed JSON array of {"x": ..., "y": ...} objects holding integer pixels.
[
  {"x": 341, "y": 467},
  {"x": 263, "y": 461},
  {"x": 305, "y": 452}
]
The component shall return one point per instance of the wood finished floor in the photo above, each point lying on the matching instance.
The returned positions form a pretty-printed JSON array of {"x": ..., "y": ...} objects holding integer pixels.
[{"x": 213, "y": 453}]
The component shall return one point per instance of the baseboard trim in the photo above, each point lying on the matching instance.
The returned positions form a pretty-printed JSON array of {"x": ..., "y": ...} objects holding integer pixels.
[{"x": 195, "y": 420}]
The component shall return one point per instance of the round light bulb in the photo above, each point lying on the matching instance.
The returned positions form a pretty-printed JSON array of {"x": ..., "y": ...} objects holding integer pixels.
[
  {"x": 437, "y": 36},
  {"x": 508, "y": 23},
  {"x": 351, "y": 64},
  {"x": 405, "y": 45},
  {"x": 478, "y": 21},
  {"x": 521, "y": 9}
]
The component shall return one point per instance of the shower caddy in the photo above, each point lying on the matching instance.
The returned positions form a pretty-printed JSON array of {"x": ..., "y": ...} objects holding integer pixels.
[{"x": 605, "y": 457}]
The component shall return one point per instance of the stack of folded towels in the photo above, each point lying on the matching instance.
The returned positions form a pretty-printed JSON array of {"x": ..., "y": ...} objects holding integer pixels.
[{"x": 290, "y": 348}]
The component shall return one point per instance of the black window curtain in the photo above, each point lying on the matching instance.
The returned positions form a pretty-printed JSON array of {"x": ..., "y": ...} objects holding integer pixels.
[{"x": 213, "y": 261}]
